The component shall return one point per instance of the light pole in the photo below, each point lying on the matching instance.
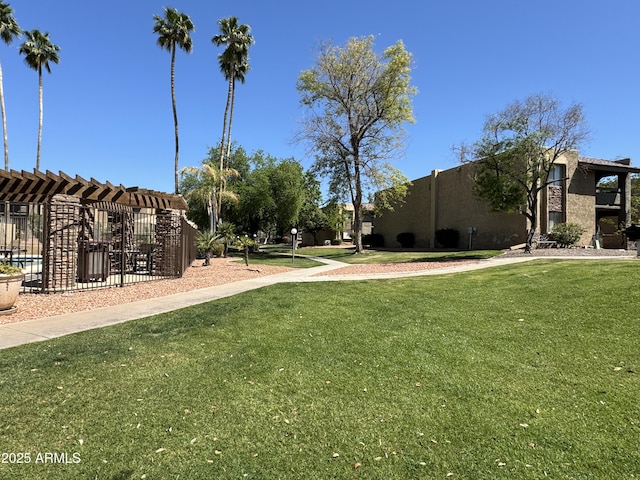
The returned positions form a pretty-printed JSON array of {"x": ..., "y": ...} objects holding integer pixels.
[{"x": 294, "y": 232}]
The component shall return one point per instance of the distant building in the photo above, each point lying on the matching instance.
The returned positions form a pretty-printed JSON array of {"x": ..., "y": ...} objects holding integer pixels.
[
  {"x": 348, "y": 227},
  {"x": 345, "y": 231},
  {"x": 445, "y": 199}
]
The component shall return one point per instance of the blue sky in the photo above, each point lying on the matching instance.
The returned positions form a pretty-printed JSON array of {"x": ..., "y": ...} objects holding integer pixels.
[{"x": 107, "y": 108}]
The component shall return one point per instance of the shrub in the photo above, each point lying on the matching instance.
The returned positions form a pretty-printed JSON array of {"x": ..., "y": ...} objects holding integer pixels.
[
  {"x": 374, "y": 240},
  {"x": 8, "y": 269},
  {"x": 217, "y": 250},
  {"x": 205, "y": 242},
  {"x": 336, "y": 241},
  {"x": 566, "y": 234},
  {"x": 406, "y": 239},
  {"x": 448, "y": 237},
  {"x": 243, "y": 244}
]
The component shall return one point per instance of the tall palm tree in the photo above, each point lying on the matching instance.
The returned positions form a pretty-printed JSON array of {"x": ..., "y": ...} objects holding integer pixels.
[
  {"x": 38, "y": 52},
  {"x": 174, "y": 31},
  {"x": 240, "y": 72},
  {"x": 9, "y": 30},
  {"x": 234, "y": 64}
]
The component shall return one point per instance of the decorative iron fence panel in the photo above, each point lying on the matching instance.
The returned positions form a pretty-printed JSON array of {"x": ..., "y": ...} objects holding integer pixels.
[
  {"x": 21, "y": 239},
  {"x": 64, "y": 245}
]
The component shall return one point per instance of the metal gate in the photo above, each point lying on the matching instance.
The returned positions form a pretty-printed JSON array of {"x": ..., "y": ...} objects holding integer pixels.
[{"x": 65, "y": 245}]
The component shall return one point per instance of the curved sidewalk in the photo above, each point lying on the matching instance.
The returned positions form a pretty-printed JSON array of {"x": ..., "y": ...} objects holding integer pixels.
[{"x": 14, "y": 334}]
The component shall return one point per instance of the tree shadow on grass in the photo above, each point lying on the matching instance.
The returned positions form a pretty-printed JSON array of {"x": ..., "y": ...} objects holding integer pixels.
[{"x": 452, "y": 257}]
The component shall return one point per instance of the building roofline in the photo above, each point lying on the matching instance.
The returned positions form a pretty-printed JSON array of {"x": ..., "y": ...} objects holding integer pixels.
[{"x": 614, "y": 166}]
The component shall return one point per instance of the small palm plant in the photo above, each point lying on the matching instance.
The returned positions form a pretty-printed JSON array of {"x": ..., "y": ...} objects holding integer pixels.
[
  {"x": 226, "y": 234},
  {"x": 245, "y": 243},
  {"x": 207, "y": 242}
]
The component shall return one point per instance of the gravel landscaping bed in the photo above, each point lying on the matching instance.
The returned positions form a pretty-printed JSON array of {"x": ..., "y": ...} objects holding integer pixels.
[{"x": 221, "y": 270}]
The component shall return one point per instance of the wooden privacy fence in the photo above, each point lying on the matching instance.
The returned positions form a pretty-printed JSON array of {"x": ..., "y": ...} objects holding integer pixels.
[{"x": 69, "y": 244}]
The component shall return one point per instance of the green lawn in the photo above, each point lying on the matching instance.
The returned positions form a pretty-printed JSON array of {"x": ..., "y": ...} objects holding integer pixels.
[
  {"x": 384, "y": 256},
  {"x": 515, "y": 372},
  {"x": 276, "y": 259}
]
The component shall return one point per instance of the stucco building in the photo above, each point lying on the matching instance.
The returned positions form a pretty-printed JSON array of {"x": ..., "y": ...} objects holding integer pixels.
[{"x": 445, "y": 199}]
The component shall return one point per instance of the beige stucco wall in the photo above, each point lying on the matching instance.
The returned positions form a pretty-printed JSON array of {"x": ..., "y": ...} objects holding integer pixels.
[
  {"x": 460, "y": 209},
  {"x": 581, "y": 198},
  {"x": 410, "y": 216},
  {"x": 445, "y": 199}
]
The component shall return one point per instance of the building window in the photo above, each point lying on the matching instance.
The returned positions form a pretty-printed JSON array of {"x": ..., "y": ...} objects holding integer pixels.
[
  {"x": 554, "y": 219},
  {"x": 556, "y": 175}
]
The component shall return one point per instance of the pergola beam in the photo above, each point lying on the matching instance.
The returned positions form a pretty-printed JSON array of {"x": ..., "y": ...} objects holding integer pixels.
[{"x": 36, "y": 187}]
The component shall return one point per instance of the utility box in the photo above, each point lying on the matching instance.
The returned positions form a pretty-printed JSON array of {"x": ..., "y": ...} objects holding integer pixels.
[{"x": 93, "y": 261}]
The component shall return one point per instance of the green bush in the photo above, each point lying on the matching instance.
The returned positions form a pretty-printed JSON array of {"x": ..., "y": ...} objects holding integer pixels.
[
  {"x": 336, "y": 241},
  {"x": 448, "y": 237},
  {"x": 217, "y": 250},
  {"x": 566, "y": 234},
  {"x": 7, "y": 269},
  {"x": 374, "y": 240},
  {"x": 406, "y": 239}
]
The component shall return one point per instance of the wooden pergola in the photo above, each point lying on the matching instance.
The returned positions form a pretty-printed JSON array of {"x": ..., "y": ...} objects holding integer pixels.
[
  {"x": 48, "y": 222},
  {"x": 38, "y": 187}
]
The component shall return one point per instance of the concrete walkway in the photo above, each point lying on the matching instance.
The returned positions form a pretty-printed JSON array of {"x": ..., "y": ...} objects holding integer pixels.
[{"x": 14, "y": 334}]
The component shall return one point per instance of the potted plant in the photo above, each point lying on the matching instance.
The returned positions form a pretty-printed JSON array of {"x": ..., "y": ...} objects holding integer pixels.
[{"x": 10, "y": 281}]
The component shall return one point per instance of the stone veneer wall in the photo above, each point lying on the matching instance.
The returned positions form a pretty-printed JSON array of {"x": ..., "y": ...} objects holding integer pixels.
[
  {"x": 555, "y": 199},
  {"x": 167, "y": 255},
  {"x": 60, "y": 253}
]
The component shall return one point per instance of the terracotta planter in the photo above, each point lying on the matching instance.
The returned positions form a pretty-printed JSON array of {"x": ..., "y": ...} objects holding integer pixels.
[{"x": 9, "y": 290}]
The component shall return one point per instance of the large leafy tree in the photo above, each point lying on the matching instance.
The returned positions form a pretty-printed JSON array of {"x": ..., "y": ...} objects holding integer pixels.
[
  {"x": 9, "y": 31},
  {"x": 272, "y": 194},
  {"x": 201, "y": 184},
  {"x": 197, "y": 186},
  {"x": 287, "y": 182},
  {"x": 358, "y": 102},
  {"x": 38, "y": 53},
  {"x": 234, "y": 65},
  {"x": 255, "y": 211},
  {"x": 519, "y": 147},
  {"x": 174, "y": 31},
  {"x": 262, "y": 193}
]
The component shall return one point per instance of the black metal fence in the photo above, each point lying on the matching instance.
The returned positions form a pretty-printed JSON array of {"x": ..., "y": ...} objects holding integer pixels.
[{"x": 69, "y": 246}]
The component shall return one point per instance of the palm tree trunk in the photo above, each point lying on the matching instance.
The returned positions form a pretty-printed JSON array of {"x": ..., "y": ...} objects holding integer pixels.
[
  {"x": 212, "y": 210},
  {"x": 175, "y": 112},
  {"x": 223, "y": 179},
  {"x": 233, "y": 101},
  {"x": 222, "y": 147},
  {"x": 4, "y": 124},
  {"x": 40, "y": 120},
  {"x": 222, "y": 143}
]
